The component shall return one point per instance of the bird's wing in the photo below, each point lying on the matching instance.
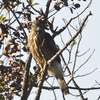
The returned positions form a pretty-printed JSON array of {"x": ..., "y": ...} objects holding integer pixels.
[{"x": 51, "y": 45}]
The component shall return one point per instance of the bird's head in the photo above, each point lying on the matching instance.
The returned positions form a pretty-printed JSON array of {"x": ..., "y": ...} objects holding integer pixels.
[{"x": 38, "y": 25}]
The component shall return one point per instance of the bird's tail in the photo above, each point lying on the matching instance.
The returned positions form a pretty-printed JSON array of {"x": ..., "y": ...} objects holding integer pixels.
[{"x": 63, "y": 86}]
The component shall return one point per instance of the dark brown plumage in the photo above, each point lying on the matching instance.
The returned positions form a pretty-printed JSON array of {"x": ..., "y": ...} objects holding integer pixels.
[
  {"x": 65, "y": 2},
  {"x": 35, "y": 40}
]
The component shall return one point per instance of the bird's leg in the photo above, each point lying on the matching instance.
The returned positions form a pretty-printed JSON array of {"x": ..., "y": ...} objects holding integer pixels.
[{"x": 40, "y": 74}]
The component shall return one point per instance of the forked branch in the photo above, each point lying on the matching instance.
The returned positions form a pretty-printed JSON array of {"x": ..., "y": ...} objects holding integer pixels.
[{"x": 70, "y": 41}]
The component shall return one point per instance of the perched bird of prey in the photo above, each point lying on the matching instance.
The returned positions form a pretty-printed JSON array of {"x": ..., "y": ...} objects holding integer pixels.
[{"x": 35, "y": 40}]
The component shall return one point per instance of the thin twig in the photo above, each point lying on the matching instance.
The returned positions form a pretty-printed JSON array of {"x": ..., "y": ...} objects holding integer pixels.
[
  {"x": 83, "y": 53},
  {"x": 98, "y": 98},
  {"x": 85, "y": 74},
  {"x": 85, "y": 9},
  {"x": 35, "y": 10},
  {"x": 52, "y": 90},
  {"x": 76, "y": 54},
  {"x": 97, "y": 82},
  {"x": 85, "y": 61},
  {"x": 47, "y": 9},
  {"x": 73, "y": 81}
]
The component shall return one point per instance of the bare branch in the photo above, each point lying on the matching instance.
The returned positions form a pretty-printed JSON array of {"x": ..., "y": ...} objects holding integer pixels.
[
  {"x": 75, "y": 88},
  {"x": 47, "y": 8},
  {"x": 73, "y": 79},
  {"x": 85, "y": 74},
  {"x": 85, "y": 8},
  {"x": 69, "y": 42},
  {"x": 83, "y": 53},
  {"x": 63, "y": 97},
  {"x": 76, "y": 53},
  {"x": 85, "y": 61},
  {"x": 97, "y": 82},
  {"x": 34, "y": 9},
  {"x": 52, "y": 90},
  {"x": 98, "y": 98},
  {"x": 63, "y": 28}
]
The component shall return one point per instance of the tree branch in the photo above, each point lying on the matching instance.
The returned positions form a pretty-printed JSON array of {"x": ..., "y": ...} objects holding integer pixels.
[
  {"x": 16, "y": 18},
  {"x": 25, "y": 81},
  {"x": 75, "y": 59},
  {"x": 69, "y": 42},
  {"x": 75, "y": 88},
  {"x": 41, "y": 82},
  {"x": 47, "y": 9},
  {"x": 63, "y": 28},
  {"x": 85, "y": 61}
]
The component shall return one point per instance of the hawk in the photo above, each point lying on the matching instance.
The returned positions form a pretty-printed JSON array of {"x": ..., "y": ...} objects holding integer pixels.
[{"x": 35, "y": 40}]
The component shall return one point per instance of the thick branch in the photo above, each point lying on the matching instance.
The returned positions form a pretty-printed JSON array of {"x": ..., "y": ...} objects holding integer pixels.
[{"x": 25, "y": 81}]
